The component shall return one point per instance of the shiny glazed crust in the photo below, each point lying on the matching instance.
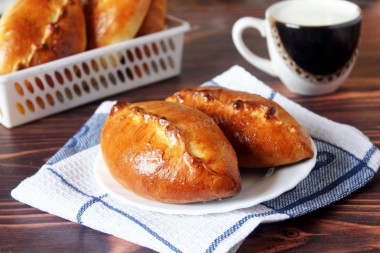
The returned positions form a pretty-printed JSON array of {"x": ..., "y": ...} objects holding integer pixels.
[
  {"x": 33, "y": 32},
  {"x": 112, "y": 21},
  {"x": 169, "y": 152},
  {"x": 262, "y": 133},
  {"x": 155, "y": 18}
]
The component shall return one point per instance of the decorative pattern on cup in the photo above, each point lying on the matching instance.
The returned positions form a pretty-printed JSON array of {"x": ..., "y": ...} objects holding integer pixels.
[{"x": 316, "y": 78}]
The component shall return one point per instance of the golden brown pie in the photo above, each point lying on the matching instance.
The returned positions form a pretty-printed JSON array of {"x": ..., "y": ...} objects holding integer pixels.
[
  {"x": 111, "y": 21},
  {"x": 169, "y": 152},
  {"x": 33, "y": 32},
  {"x": 262, "y": 133},
  {"x": 155, "y": 18}
]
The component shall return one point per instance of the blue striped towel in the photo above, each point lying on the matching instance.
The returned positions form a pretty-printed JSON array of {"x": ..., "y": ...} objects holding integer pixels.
[{"x": 65, "y": 185}]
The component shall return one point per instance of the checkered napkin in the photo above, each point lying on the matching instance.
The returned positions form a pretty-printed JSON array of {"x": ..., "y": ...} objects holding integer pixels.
[{"x": 65, "y": 186}]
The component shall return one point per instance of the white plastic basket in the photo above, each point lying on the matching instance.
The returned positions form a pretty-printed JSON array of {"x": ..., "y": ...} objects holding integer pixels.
[{"x": 52, "y": 87}]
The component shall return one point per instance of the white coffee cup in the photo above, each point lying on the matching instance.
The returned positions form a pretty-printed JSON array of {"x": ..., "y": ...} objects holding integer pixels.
[{"x": 312, "y": 44}]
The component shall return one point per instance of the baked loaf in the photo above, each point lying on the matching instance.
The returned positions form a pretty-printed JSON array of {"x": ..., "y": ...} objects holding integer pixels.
[
  {"x": 111, "y": 21},
  {"x": 169, "y": 152},
  {"x": 262, "y": 133},
  {"x": 155, "y": 18},
  {"x": 33, "y": 32}
]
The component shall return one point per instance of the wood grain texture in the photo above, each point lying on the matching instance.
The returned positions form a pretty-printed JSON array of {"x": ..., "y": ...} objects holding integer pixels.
[{"x": 349, "y": 225}]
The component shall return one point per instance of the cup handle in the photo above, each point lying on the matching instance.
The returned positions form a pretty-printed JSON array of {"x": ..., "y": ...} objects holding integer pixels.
[{"x": 237, "y": 37}]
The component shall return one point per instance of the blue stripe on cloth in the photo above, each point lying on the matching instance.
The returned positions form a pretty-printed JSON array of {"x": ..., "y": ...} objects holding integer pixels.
[
  {"x": 335, "y": 176},
  {"x": 210, "y": 83},
  {"x": 324, "y": 191},
  {"x": 214, "y": 83},
  {"x": 369, "y": 154},
  {"x": 365, "y": 159},
  {"x": 297, "y": 201},
  {"x": 130, "y": 217},
  {"x": 88, "y": 136},
  {"x": 67, "y": 183},
  {"x": 234, "y": 228},
  {"x": 272, "y": 95},
  {"x": 145, "y": 227},
  {"x": 87, "y": 205}
]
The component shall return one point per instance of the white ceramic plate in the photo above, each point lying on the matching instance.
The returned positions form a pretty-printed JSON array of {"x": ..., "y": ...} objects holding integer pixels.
[{"x": 257, "y": 186}]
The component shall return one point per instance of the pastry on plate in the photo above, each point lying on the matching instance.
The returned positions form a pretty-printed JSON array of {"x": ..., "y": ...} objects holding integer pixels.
[
  {"x": 169, "y": 152},
  {"x": 33, "y": 32},
  {"x": 262, "y": 133}
]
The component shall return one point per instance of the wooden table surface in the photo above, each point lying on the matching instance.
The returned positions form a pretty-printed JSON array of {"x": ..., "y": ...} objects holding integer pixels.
[{"x": 350, "y": 225}]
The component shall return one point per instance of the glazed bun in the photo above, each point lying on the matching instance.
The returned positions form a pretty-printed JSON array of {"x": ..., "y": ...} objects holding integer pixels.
[
  {"x": 262, "y": 133},
  {"x": 33, "y": 32},
  {"x": 169, "y": 152},
  {"x": 111, "y": 21},
  {"x": 155, "y": 18}
]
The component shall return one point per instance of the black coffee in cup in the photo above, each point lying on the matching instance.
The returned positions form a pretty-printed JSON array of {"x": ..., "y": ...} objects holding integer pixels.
[{"x": 320, "y": 44}]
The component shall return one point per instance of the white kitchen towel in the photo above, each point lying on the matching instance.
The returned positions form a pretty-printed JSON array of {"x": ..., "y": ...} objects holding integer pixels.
[{"x": 65, "y": 186}]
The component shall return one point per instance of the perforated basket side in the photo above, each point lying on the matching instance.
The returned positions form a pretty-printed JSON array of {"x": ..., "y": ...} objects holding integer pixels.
[{"x": 53, "y": 87}]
